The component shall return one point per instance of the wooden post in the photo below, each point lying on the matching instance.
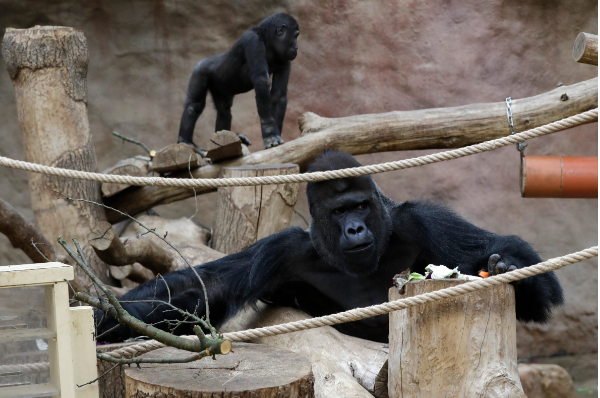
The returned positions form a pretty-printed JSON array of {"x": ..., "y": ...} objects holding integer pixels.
[
  {"x": 48, "y": 68},
  {"x": 83, "y": 346},
  {"x": 247, "y": 214},
  {"x": 254, "y": 370},
  {"x": 585, "y": 49},
  {"x": 460, "y": 347}
]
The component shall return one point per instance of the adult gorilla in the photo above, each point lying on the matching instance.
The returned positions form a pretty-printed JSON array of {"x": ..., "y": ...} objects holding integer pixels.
[
  {"x": 263, "y": 50},
  {"x": 358, "y": 240}
]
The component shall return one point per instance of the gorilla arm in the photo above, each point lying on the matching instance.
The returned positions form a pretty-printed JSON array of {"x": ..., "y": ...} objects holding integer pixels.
[
  {"x": 256, "y": 58},
  {"x": 447, "y": 239},
  {"x": 232, "y": 283}
]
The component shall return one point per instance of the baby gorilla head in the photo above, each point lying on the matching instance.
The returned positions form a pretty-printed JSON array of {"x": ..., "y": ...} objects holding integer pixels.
[
  {"x": 283, "y": 33},
  {"x": 351, "y": 226}
]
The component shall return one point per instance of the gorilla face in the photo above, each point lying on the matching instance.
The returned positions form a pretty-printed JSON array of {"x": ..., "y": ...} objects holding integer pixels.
[
  {"x": 285, "y": 42},
  {"x": 351, "y": 226}
]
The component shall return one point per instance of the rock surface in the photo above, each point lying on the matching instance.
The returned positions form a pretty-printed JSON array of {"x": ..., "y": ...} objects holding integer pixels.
[
  {"x": 355, "y": 57},
  {"x": 546, "y": 381}
]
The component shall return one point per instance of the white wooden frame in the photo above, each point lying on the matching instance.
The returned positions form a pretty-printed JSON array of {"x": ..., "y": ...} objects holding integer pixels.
[{"x": 69, "y": 331}]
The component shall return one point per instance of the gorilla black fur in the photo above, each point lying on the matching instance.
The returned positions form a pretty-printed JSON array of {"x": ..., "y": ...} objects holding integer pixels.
[
  {"x": 358, "y": 240},
  {"x": 263, "y": 50}
]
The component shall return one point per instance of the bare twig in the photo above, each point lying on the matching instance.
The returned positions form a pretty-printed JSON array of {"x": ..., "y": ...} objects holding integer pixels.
[
  {"x": 140, "y": 143},
  {"x": 204, "y": 345},
  {"x": 152, "y": 231},
  {"x": 99, "y": 377}
]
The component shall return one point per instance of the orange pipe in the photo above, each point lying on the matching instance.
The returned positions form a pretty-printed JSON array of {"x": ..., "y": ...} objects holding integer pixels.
[{"x": 559, "y": 177}]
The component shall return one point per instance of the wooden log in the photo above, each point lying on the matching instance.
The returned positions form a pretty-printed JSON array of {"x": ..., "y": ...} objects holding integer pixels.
[
  {"x": 247, "y": 214},
  {"x": 48, "y": 68},
  {"x": 187, "y": 236},
  {"x": 395, "y": 131},
  {"x": 136, "y": 167},
  {"x": 177, "y": 157},
  {"x": 253, "y": 370},
  {"x": 344, "y": 366},
  {"x": 585, "y": 49},
  {"x": 21, "y": 232},
  {"x": 460, "y": 347},
  {"x": 224, "y": 145},
  {"x": 135, "y": 272},
  {"x": 127, "y": 251}
]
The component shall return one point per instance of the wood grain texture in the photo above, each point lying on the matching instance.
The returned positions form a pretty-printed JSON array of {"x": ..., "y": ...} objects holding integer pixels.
[
  {"x": 343, "y": 366},
  {"x": 253, "y": 370},
  {"x": 112, "y": 385},
  {"x": 224, "y": 145},
  {"x": 247, "y": 214},
  {"x": 177, "y": 157},
  {"x": 394, "y": 131},
  {"x": 461, "y": 347}
]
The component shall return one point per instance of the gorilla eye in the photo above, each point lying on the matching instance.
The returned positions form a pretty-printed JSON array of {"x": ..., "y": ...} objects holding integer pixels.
[{"x": 338, "y": 211}]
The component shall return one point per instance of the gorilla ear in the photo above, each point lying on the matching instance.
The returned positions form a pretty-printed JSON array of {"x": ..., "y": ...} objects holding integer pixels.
[{"x": 281, "y": 30}]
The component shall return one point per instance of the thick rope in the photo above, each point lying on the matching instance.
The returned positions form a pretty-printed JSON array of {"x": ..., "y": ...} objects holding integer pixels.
[
  {"x": 366, "y": 312},
  {"x": 25, "y": 368},
  {"x": 563, "y": 124}
]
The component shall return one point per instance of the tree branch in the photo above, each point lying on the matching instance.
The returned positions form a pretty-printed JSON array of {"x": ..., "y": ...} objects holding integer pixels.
[
  {"x": 394, "y": 131},
  {"x": 204, "y": 345}
]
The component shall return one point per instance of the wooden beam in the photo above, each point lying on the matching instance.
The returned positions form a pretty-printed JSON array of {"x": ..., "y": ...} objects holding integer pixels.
[
  {"x": 394, "y": 131},
  {"x": 585, "y": 49}
]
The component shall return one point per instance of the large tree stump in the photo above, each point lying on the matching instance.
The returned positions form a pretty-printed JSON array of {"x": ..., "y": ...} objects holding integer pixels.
[
  {"x": 48, "y": 68},
  {"x": 343, "y": 366},
  {"x": 253, "y": 370},
  {"x": 247, "y": 214},
  {"x": 460, "y": 347}
]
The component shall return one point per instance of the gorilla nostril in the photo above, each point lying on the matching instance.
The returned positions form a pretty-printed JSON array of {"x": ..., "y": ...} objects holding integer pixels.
[
  {"x": 359, "y": 230},
  {"x": 351, "y": 231}
]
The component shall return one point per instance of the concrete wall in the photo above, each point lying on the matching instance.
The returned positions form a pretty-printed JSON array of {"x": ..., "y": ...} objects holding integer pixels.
[{"x": 355, "y": 57}]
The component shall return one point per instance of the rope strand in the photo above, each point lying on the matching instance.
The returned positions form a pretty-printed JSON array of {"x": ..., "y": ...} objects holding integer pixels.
[{"x": 576, "y": 120}]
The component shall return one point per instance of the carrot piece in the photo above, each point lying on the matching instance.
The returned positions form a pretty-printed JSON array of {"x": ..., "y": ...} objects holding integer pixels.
[{"x": 484, "y": 274}]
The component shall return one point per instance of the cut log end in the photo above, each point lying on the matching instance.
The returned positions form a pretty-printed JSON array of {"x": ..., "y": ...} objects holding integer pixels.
[
  {"x": 177, "y": 157},
  {"x": 585, "y": 49},
  {"x": 253, "y": 370},
  {"x": 224, "y": 145}
]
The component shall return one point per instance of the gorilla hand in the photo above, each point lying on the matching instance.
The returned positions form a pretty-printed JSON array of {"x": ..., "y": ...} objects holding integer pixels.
[{"x": 496, "y": 266}]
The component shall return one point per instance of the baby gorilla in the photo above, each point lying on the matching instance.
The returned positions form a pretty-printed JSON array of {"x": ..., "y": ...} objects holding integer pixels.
[
  {"x": 264, "y": 50},
  {"x": 357, "y": 241}
]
